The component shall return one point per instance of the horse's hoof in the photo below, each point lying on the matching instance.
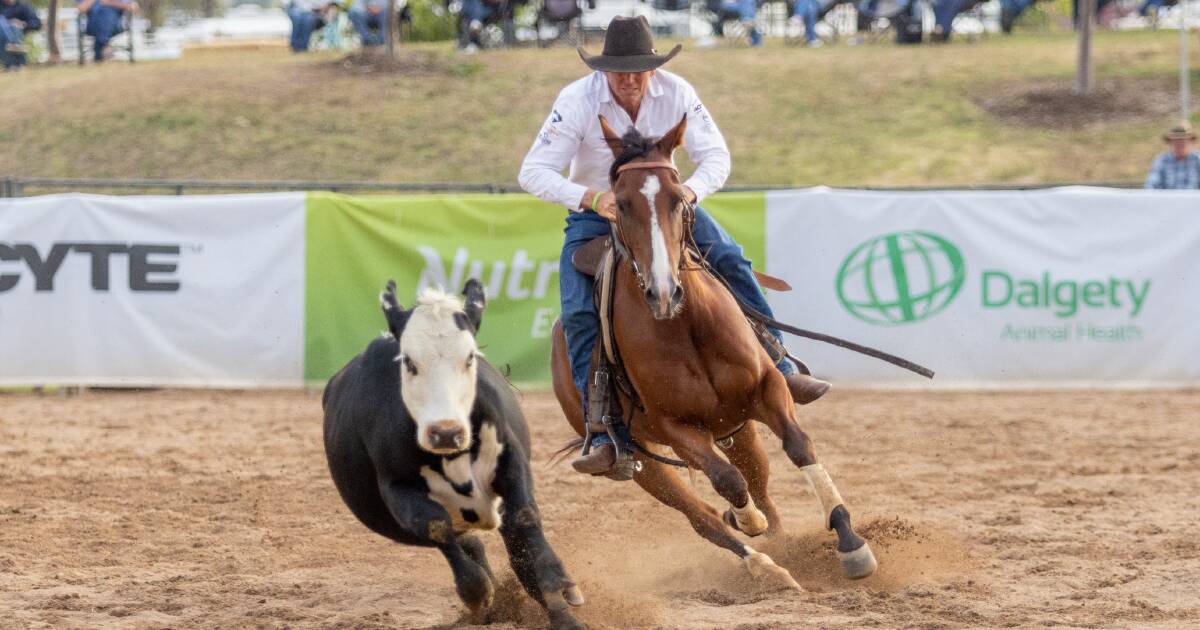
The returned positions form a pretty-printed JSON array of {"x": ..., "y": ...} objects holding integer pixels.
[
  {"x": 761, "y": 566},
  {"x": 859, "y": 563},
  {"x": 748, "y": 520}
]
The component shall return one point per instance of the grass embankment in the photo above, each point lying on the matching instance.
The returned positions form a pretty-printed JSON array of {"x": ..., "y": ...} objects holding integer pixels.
[{"x": 994, "y": 111}]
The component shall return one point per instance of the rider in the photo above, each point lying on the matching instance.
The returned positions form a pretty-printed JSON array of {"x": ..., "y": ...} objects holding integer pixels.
[{"x": 628, "y": 90}]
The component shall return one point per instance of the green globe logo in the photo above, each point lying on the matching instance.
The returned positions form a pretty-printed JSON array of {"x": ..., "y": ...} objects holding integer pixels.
[{"x": 900, "y": 278}]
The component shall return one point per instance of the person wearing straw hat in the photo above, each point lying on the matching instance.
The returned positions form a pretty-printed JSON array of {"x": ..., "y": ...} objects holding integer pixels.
[
  {"x": 629, "y": 88},
  {"x": 1178, "y": 168}
]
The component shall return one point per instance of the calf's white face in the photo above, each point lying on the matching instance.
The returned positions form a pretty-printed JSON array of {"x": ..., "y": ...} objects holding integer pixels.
[{"x": 437, "y": 372}]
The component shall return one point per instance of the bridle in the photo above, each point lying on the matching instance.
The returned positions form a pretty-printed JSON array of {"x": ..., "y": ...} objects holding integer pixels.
[{"x": 689, "y": 218}]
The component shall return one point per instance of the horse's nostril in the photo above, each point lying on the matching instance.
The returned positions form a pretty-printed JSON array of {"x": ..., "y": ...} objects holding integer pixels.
[{"x": 677, "y": 294}]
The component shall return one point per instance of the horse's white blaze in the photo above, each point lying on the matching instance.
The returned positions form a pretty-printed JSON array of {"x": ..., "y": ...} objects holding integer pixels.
[
  {"x": 443, "y": 389},
  {"x": 660, "y": 262},
  {"x": 478, "y": 470}
]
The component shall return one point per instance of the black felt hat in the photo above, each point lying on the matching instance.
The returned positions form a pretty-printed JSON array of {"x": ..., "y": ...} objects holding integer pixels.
[{"x": 628, "y": 47}]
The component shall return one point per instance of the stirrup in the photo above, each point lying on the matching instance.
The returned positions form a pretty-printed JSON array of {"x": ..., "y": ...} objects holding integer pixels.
[{"x": 599, "y": 406}]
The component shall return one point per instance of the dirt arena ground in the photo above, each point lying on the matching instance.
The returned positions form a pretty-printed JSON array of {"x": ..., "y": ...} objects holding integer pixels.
[{"x": 206, "y": 509}]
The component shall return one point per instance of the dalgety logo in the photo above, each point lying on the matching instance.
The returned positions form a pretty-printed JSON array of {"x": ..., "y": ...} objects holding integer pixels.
[{"x": 900, "y": 278}]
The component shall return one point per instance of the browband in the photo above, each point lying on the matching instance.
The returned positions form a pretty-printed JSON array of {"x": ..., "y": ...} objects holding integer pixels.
[{"x": 647, "y": 165}]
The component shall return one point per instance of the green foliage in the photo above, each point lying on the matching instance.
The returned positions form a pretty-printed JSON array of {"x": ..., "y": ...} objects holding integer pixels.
[{"x": 431, "y": 21}]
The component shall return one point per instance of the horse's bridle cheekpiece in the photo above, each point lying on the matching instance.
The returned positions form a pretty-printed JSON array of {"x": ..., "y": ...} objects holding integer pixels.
[{"x": 628, "y": 47}]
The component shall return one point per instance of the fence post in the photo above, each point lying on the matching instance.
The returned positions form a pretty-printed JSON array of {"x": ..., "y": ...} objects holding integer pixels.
[{"x": 7, "y": 188}]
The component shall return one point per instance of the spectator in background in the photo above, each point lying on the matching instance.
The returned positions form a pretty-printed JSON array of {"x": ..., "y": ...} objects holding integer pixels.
[
  {"x": 105, "y": 20},
  {"x": 944, "y": 12},
  {"x": 306, "y": 18},
  {"x": 1178, "y": 168},
  {"x": 806, "y": 11},
  {"x": 16, "y": 19},
  {"x": 475, "y": 14},
  {"x": 744, "y": 10},
  {"x": 369, "y": 18}
]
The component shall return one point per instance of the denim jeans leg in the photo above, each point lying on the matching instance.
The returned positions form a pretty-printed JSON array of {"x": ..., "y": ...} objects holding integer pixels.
[
  {"x": 727, "y": 258},
  {"x": 377, "y": 24},
  {"x": 807, "y": 9},
  {"x": 8, "y": 35},
  {"x": 579, "y": 318},
  {"x": 358, "y": 18}
]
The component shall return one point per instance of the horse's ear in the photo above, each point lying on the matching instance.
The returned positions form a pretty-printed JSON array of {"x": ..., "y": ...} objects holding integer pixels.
[
  {"x": 474, "y": 302},
  {"x": 673, "y": 139},
  {"x": 611, "y": 137},
  {"x": 395, "y": 314}
]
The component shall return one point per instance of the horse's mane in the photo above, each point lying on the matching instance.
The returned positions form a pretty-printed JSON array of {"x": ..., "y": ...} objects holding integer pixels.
[{"x": 633, "y": 146}]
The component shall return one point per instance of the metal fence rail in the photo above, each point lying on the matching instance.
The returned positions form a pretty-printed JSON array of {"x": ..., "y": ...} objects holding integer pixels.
[{"x": 20, "y": 186}]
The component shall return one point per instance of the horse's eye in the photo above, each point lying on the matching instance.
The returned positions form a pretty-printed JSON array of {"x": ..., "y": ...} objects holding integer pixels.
[{"x": 410, "y": 366}]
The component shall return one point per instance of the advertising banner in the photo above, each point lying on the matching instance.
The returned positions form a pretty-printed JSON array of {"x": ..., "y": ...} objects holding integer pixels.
[
  {"x": 511, "y": 243},
  {"x": 186, "y": 291},
  {"x": 1054, "y": 287}
]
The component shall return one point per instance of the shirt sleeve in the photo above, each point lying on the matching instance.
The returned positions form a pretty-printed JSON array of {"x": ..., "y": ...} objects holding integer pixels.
[
  {"x": 706, "y": 147},
  {"x": 552, "y": 151},
  {"x": 1155, "y": 179}
]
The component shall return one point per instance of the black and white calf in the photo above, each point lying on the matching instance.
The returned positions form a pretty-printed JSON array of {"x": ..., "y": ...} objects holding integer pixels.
[{"x": 426, "y": 442}]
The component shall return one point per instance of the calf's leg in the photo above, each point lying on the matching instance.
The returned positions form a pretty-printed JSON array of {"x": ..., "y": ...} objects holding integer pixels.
[{"x": 427, "y": 522}]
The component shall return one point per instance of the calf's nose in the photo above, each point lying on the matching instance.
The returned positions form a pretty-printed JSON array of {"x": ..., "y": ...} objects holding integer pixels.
[{"x": 446, "y": 434}]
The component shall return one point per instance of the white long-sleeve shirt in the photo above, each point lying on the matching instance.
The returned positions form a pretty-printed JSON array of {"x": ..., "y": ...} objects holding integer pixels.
[{"x": 572, "y": 136}]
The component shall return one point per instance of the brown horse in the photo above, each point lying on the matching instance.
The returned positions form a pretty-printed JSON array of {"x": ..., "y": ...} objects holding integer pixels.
[{"x": 698, "y": 369}]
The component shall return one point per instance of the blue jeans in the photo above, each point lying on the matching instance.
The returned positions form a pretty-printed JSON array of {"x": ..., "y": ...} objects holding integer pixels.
[
  {"x": 745, "y": 10},
  {"x": 304, "y": 22},
  {"x": 10, "y": 34},
  {"x": 807, "y": 10},
  {"x": 579, "y": 319},
  {"x": 476, "y": 10},
  {"x": 372, "y": 28},
  {"x": 944, "y": 12},
  {"x": 1016, "y": 7},
  {"x": 103, "y": 24}
]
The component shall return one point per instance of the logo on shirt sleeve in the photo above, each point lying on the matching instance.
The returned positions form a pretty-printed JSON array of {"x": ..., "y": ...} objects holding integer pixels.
[
  {"x": 549, "y": 131},
  {"x": 702, "y": 112}
]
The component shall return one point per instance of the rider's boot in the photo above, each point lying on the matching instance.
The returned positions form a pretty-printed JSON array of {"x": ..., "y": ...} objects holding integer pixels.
[
  {"x": 805, "y": 388},
  {"x": 598, "y": 461}
]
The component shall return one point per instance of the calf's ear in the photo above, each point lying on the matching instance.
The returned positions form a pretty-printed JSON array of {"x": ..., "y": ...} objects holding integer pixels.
[
  {"x": 395, "y": 314},
  {"x": 474, "y": 302}
]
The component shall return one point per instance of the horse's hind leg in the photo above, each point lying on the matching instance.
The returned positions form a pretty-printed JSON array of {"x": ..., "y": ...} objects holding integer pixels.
[
  {"x": 663, "y": 484},
  {"x": 748, "y": 455},
  {"x": 857, "y": 559}
]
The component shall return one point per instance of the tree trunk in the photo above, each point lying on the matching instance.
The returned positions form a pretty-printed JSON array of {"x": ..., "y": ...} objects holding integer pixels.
[
  {"x": 52, "y": 31},
  {"x": 1083, "y": 71}
]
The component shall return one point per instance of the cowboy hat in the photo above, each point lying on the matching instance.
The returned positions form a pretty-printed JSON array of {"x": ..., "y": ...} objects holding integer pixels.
[
  {"x": 1179, "y": 132},
  {"x": 628, "y": 47}
]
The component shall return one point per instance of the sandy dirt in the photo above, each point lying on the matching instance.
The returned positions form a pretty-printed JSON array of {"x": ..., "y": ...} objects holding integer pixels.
[{"x": 215, "y": 510}]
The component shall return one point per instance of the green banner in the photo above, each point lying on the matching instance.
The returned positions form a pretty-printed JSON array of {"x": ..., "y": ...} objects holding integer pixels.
[{"x": 510, "y": 242}]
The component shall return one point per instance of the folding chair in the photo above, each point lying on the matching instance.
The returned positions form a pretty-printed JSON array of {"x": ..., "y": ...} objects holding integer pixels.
[{"x": 126, "y": 32}]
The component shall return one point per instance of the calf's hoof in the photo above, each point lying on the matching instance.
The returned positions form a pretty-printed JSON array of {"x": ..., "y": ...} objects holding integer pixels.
[
  {"x": 859, "y": 563},
  {"x": 564, "y": 620},
  {"x": 477, "y": 593}
]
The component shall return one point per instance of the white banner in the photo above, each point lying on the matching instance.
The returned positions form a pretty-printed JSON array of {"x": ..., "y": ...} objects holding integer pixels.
[
  {"x": 186, "y": 291},
  {"x": 1054, "y": 287}
]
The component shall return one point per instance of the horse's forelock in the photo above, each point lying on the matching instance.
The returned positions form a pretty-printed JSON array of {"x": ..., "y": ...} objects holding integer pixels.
[{"x": 633, "y": 146}]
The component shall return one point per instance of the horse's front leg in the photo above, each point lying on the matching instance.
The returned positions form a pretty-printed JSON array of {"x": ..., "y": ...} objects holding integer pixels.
[
  {"x": 779, "y": 415},
  {"x": 747, "y": 453},
  {"x": 695, "y": 446}
]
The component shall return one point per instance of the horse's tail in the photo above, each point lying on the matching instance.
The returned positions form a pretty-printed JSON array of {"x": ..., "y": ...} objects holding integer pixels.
[{"x": 558, "y": 456}]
